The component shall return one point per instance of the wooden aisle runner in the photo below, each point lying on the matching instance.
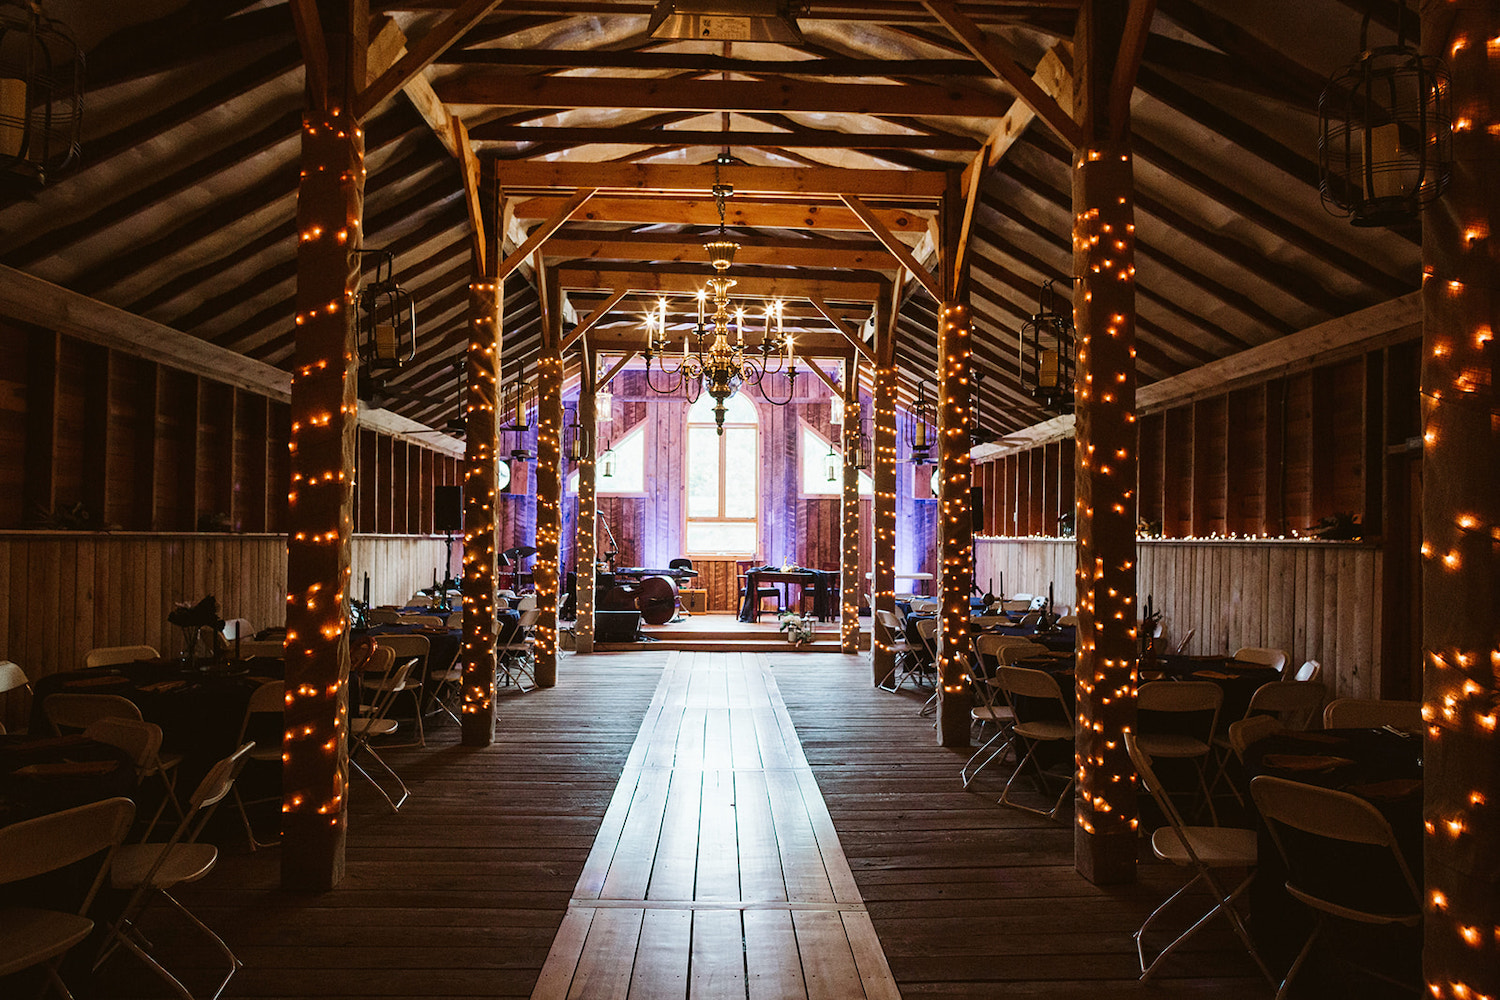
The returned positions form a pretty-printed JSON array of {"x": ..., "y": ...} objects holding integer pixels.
[{"x": 716, "y": 872}]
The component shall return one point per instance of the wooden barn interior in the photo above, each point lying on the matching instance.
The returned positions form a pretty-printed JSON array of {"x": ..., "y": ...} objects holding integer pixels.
[{"x": 322, "y": 307}]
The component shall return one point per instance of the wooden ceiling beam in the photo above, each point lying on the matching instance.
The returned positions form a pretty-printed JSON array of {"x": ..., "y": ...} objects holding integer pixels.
[
  {"x": 799, "y": 286},
  {"x": 817, "y": 370},
  {"x": 309, "y": 28},
  {"x": 615, "y": 369},
  {"x": 898, "y": 249},
  {"x": 593, "y": 318},
  {"x": 628, "y": 135},
  {"x": 542, "y": 233},
  {"x": 499, "y": 90},
  {"x": 656, "y": 178},
  {"x": 1127, "y": 62},
  {"x": 707, "y": 62},
  {"x": 688, "y": 248},
  {"x": 843, "y": 329},
  {"x": 421, "y": 54},
  {"x": 1003, "y": 64},
  {"x": 701, "y": 211}
]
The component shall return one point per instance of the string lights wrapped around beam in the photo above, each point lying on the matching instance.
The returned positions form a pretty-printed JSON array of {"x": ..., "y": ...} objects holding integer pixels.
[
  {"x": 883, "y": 568},
  {"x": 956, "y": 533},
  {"x": 549, "y": 380},
  {"x": 1461, "y": 522},
  {"x": 1105, "y": 511},
  {"x": 848, "y": 409},
  {"x": 315, "y": 743}
]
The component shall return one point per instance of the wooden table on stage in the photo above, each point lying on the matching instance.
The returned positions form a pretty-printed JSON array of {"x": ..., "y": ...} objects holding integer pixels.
[{"x": 823, "y": 603}]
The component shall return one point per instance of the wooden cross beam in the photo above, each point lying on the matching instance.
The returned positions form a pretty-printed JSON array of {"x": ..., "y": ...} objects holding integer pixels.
[
  {"x": 654, "y": 178},
  {"x": 853, "y": 289},
  {"x": 687, "y": 248},
  {"x": 1132, "y": 47},
  {"x": 594, "y": 317},
  {"x": 422, "y": 54},
  {"x": 818, "y": 371},
  {"x": 309, "y": 27},
  {"x": 1003, "y": 64},
  {"x": 614, "y": 370},
  {"x": 843, "y": 328},
  {"x": 701, "y": 211},
  {"x": 541, "y": 233},
  {"x": 895, "y": 246},
  {"x": 637, "y": 136}
]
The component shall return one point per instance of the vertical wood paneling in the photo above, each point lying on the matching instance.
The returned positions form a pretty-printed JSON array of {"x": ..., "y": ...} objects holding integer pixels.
[{"x": 1315, "y": 600}]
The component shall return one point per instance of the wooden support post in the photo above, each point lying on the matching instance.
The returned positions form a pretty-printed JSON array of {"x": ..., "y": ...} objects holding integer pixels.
[
  {"x": 588, "y": 521},
  {"x": 330, "y": 208},
  {"x": 955, "y": 522},
  {"x": 549, "y": 419},
  {"x": 1461, "y": 522},
  {"x": 850, "y": 585},
  {"x": 883, "y": 565},
  {"x": 481, "y": 457},
  {"x": 1105, "y": 466}
]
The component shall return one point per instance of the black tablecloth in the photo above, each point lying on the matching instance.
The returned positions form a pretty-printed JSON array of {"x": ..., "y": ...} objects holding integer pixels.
[
  {"x": 1383, "y": 768},
  {"x": 821, "y": 582},
  {"x": 1239, "y": 680},
  {"x": 199, "y": 711},
  {"x": 106, "y": 771}
]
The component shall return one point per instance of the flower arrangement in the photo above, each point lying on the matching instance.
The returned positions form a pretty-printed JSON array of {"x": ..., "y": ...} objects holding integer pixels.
[
  {"x": 799, "y": 630},
  {"x": 192, "y": 619}
]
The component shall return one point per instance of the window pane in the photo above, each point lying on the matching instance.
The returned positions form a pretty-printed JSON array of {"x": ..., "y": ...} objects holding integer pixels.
[
  {"x": 815, "y": 467},
  {"x": 703, "y": 472},
  {"x": 630, "y": 465},
  {"x": 732, "y": 539},
  {"x": 741, "y": 494}
]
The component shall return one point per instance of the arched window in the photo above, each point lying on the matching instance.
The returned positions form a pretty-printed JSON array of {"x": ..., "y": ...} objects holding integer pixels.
[{"x": 723, "y": 487}]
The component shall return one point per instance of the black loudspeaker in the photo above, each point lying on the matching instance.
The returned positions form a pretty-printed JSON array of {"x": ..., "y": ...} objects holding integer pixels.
[
  {"x": 616, "y": 626},
  {"x": 447, "y": 508},
  {"x": 976, "y": 504}
]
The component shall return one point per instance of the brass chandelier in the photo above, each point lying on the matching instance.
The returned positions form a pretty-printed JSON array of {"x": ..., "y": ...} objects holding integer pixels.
[{"x": 709, "y": 362}]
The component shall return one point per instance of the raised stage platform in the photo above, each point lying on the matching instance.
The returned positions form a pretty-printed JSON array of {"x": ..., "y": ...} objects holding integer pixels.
[{"x": 726, "y": 633}]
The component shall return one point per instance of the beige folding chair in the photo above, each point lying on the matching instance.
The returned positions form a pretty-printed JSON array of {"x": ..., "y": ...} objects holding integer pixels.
[
  {"x": 1206, "y": 849},
  {"x": 517, "y": 659},
  {"x": 12, "y": 678},
  {"x": 1292, "y": 705},
  {"x": 264, "y": 713},
  {"x": 1251, "y": 729},
  {"x": 383, "y": 616},
  {"x": 364, "y": 728},
  {"x": 419, "y": 601},
  {"x": 990, "y": 621},
  {"x": 271, "y": 648},
  {"x": 151, "y": 870},
  {"x": 412, "y": 648},
  {"x": 73, "y": 713},
  {"x": 1042, "y": 718},
  {"x": 455, "y": 620},
  {"x": 142, "y": 741},
  {"x": 1311, "y": 670},
  {"x": 1066, "y": 620},
  {"x": 1263, "y": 655},
  {"x": 988, "y": 709},
  {"x": 1186, "y": 741},
  {"x": 1373, "y": 713},
  {"x": 906, "y": 663},
  {"x": 426, "y": 621},
  {"x": 30, "y": 937},
  {"x": 927, "y": 633},
  {"x": 1336, "y": 883},
  {"x": 108, "y": 656}
]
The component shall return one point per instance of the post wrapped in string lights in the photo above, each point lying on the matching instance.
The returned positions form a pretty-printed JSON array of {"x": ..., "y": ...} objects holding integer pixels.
[
  {"x": 1461, "y": 521},
  {"x": 956, "y": 531},
  {"x": 315, "y": 743},
  {"x": 883, "y": 565},
  {"x": 481, "y": 453},
  {"x": 849, "y": 590},
  {"x": 1105, "y": 510},
  {"x": 549, "y": 380},
  {"x": 588, "y": 522}
]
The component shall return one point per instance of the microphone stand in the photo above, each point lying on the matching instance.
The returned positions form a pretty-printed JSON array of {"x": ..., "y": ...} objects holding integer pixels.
[{"x": 614, "y": 547}]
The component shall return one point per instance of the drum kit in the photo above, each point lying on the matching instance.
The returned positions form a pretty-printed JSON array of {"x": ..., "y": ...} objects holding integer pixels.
[
  {"x": 512, "y": 558},
  {"x": 652, "y": 592}
]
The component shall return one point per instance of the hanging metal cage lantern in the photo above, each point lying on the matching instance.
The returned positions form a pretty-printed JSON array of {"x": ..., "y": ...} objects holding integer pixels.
[
  {"x": 517, "y": 400},
  {"x": 1385, "y": 133},
  {"x": 607, "y": 463},
  {"x": 831, "y": 464},
  {"x": 580, "y": 441},
  {"x": 861, "y": 452},
  {"x": 604, "y": 405},
  {"x": 387, "y": 320},
  {"x": 41, "y": 93},
  {"x": 919, "y": 430},
  {"x": 1046, "y": 354}
]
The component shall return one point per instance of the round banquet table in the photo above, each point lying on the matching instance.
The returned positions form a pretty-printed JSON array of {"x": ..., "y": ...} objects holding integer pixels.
[{"x": 45, "y": 774}]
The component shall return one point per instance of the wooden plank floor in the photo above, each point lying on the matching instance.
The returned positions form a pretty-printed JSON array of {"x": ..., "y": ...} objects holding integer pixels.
[
  {"x": 462, "y": 894},
  {"x": 716, "y": 872}
]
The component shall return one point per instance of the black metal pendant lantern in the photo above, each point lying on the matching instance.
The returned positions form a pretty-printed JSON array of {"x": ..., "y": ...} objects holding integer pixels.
[
  {"x": 1385, "y": 133},
  {"x": 919, "y": 430},
  {"x": 387, "y": 320},
  {"x": 580, "y": 440},
  {"x": 517, "y": 401},
  {"x": 1046, "y": 354},
  {"x": 41, "y": 93}
]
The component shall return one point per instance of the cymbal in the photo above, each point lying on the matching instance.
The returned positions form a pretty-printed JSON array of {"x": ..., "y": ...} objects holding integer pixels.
[{"x": 520, "y": 552}]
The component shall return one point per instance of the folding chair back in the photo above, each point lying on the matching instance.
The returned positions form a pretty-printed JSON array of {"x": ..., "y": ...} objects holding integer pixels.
[
  {"x": 272, "y": 648},
  {"x": 1026, "y": 682},
  {"x": 1014, "y": 652},
  {"x": 1372, "y": 713},
  {"x": 1068, "y": 620},
  {"x": 36, "y": 846},
  {"x": 991, "y": 621},
  {"x": 76, "y": 712},
  {"x": 142, "y": 740},
  {"x": 1311, "y": 670},
  {"x": 891, "y": 623},
  {"x": 419, "y": 601},
  {"x": 1179, "y": 696},
  {"x": 1295, "y": 704},
  {"x": 107, "y": 656},
  {"x": 1157, "y": 790},
  {"x": 427, "y": 621},
  {"x": 406, "y": 646},
  {"x": 383, "y": 616},
  {"x": 12, "y": 677},
  {"x": 1182, "y": 643},
  {"x": 455, "y": 620},
  {"x": 927, "y": 629},
  {"x": 1264, "y": 655},
  {"x": 526, "y": 603},
  {"x": 1243, "y": 732}
]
